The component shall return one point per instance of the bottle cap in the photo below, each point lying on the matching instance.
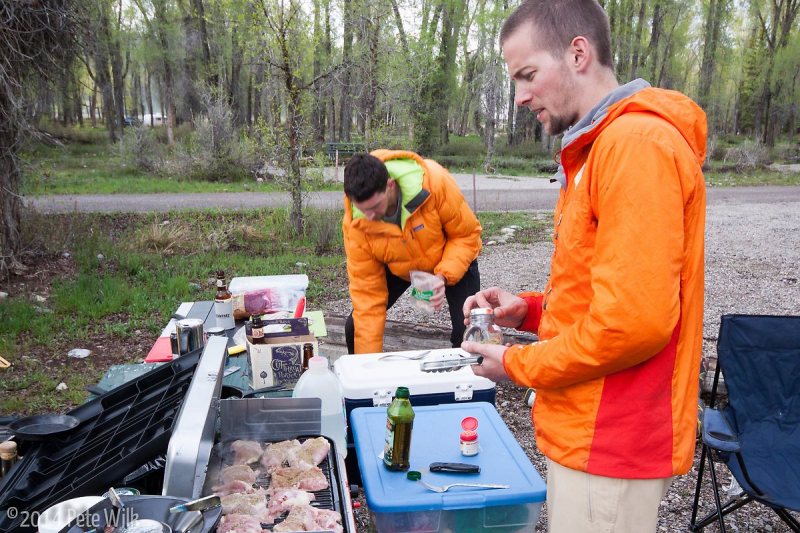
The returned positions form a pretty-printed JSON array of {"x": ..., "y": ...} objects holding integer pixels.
[
  {"x": 413, "y": 475},
  {"x": 479, "y": 311},
  {"x": 469, "y": 423},
  {"x": 402, "y": 392},
  {"x": 318, "y": 361},
  {"x": 469, "y": 436}
]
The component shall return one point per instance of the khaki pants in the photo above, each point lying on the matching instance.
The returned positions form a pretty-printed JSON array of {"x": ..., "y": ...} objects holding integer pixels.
[{"x": 578, "y": 502}]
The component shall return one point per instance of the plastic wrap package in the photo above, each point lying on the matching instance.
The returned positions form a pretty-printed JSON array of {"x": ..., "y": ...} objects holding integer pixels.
[{"x": 266, "y": 294}]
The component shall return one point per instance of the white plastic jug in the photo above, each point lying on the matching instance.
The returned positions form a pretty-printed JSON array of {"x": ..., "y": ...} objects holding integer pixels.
[{"x": 320, "y": 382}]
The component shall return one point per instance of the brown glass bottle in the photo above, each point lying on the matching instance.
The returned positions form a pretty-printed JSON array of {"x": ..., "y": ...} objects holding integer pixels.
[
  {"x": 308, "y": 353},
  {"x": 223, "y": 303},
  {"x": 258, "y": 329},
  {"x": 399, "y": 423}
]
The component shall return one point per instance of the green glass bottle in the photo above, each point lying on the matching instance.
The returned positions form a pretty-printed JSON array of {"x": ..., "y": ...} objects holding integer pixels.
[{"x": 399, "y": 422}]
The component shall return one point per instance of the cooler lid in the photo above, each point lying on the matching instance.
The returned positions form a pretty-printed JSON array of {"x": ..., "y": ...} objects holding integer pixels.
[
  {"x": 362, "y": 375},
  {"x": 435, "y": 437}
]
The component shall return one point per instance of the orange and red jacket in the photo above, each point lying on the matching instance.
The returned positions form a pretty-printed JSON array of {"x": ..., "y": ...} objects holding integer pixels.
[
  {"x": 440, "y": 234},
  {"x": 621, "y": 317}
]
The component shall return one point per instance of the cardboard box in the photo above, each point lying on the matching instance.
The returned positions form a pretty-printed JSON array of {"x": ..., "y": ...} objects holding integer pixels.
[{"x": 279, "y": 360}]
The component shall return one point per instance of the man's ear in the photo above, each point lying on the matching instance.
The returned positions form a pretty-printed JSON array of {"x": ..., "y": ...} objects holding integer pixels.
[{"x": 580, "y": 54}]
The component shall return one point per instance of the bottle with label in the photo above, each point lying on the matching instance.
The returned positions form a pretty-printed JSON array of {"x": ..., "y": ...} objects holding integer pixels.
[
  {"x": 482, "y": 327},
  {"x": 399, "y": 423},
  {"x": 308, "y": 353},
  {"x": 257, "y": 329},
  {"x": 319, "y": 382},
  {"x": 8, "y": 456},
  {"x": 223, "y": 303}
]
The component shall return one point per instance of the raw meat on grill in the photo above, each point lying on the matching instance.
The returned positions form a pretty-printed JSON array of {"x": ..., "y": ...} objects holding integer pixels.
[
  {"x": 276, "y": 453},
  {"x": 239, "y": 523},
  {"x": 248, "y": 504},
  {"x": 246, "y": 451},
  {"x": 231, "y": 487},
  {"x": 282, "y": 500},
  {"x": 311, "y": 453},
  {"x": 238, "y": 472},
  {"x": 291, "y": 477},
  {"x": 307, "y": 518}
]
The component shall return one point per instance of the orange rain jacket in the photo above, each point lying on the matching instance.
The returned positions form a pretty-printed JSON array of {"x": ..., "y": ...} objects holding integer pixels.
[
  {"x": 621, "y": 317},
  {"x": 440, "y": 234}
]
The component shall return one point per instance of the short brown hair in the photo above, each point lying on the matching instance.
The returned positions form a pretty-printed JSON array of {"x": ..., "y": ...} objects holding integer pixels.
[{"x": 557, "y": 22}]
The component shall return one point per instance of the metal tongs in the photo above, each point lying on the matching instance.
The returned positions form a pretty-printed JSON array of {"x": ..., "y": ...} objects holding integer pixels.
[{"x": 447, "y": 362}]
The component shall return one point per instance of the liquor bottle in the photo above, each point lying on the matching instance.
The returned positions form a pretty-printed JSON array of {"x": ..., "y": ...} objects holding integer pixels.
[
  {"x": 223, "y": 304},
  {"x": 258, "y": 329},
  {"x": 308, "y": 353},
  {"x": 399, "y": 422}
]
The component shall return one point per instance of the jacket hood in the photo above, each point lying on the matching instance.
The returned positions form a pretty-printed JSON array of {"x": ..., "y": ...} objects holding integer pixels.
[{"x": 639, "y": 97}]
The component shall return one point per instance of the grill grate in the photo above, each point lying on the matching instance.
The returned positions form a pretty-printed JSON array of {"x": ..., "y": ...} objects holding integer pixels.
[{"x": 330, "y": 498}]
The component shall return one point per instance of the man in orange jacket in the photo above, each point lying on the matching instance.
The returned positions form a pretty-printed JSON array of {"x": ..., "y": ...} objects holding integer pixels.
[
  {"x": 620, "y": 319},
  {"x": 404, "y": 213}
]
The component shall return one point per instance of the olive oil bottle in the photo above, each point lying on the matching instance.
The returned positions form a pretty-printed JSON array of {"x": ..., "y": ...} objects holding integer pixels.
[{"x": 399, "y": 422}]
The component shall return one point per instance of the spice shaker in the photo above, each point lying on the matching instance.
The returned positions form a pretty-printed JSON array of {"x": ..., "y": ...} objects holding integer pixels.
[{"x": 469, "y": 436}]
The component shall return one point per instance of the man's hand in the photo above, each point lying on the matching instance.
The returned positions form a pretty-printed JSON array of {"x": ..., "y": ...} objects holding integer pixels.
[
  {"x": 437, "y": 300},
  {"x": 492, "y": 366},
  {"x": 509, "y": 309}
]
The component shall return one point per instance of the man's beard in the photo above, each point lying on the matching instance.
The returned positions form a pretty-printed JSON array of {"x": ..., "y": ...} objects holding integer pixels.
[{"x": 560, "y": 123}]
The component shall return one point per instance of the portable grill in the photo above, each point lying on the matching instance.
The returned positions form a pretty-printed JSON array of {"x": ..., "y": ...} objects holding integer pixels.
[{"x": 195, "y": 458}]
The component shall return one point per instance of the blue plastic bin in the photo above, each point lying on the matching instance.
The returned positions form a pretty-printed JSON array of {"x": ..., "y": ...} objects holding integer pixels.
[{"x": 397, "y": 505}]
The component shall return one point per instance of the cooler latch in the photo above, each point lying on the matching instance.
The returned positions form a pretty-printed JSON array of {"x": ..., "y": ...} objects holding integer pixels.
[
  {"x": 381, "y": 397},
  {"x": 463, "y": 392}
]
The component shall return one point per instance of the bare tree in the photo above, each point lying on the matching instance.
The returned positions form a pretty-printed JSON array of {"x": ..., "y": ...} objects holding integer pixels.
[{"x": 35, "y": 37}]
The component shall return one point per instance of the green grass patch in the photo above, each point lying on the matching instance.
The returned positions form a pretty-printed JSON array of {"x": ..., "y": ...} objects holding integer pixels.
[
  {"x": 530, "y": 227},
  {"x": 730, "y": 178}
]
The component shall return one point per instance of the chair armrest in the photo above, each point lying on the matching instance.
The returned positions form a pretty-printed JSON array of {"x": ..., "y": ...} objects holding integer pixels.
[{"x": 717, "y": 433}]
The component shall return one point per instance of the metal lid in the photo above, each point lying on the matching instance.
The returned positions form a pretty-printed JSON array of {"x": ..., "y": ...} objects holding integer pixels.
[
  {"x": 216, "y": 330},
  {"x": 480, "y": 311},
  {"x": 413, "y": 475},
  {"x": 189, "y": 322}
]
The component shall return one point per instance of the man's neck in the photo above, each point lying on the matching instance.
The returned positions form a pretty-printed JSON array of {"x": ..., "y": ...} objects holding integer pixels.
[{"x": 391, "y": 208}]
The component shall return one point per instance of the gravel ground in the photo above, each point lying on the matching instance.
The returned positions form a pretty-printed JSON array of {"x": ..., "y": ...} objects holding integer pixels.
[{"x": 752, "y": 266}]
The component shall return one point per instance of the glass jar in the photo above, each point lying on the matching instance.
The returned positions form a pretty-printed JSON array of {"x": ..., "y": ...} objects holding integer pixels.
[{"x": 482, "y": 327}]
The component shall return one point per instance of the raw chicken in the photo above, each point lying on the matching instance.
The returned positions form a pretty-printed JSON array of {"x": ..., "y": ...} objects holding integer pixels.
[
  {"x": 299, "y": 478},
  {"x": 311, "y": 453},
  {"x": 307, "y": 518},
  {"x": 282, "y": 500},
  {"x": 247, "y": 451},
  {"x": 275, "y": 455},
  {"x": 254, "y": 505},
  {"x": 231, "y": 487},
  {"x": 239, "y": 523},
  {"x": 239, "y": 472}
]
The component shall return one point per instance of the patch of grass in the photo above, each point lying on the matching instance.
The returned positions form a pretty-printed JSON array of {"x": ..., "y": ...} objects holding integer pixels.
[
  {"x": 730, "y": 178},
  {"x": 533, "y": 227}
]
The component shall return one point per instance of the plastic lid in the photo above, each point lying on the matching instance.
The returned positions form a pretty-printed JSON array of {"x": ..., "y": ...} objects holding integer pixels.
[
  {"x": 318, "y": 361},
  {"x": 469, "y": 423},
  {"x": 469, "y": 436},
  {"x": 478, "y": 311},
  {"x": 402, "y": 392},
  {"x": 413, "y": 475}
]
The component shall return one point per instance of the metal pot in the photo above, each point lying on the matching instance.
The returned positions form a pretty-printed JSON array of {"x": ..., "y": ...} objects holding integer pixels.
[{"x": 191, "y": 335}]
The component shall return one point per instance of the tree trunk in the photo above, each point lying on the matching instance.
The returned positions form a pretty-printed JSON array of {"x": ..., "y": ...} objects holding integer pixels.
[
  {"x": 345, "y": 105},
  {"x": 234, "y": 88},
  {"x": 93, "y": 105},
  {"x": 10, "y": 242},
  {"x": 149, "y": 93},
  {"x": 166, "y": 56}
]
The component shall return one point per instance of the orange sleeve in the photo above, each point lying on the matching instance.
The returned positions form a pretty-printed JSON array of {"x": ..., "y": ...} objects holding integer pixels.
[
  {"x": 635, "y": 272},
  {"x": 368, "y": 292}
]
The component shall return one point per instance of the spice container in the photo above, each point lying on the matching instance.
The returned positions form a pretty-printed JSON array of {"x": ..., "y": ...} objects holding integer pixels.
[
  {"x": 469, "y": 436},
  {"x": 482, "y": 327}
]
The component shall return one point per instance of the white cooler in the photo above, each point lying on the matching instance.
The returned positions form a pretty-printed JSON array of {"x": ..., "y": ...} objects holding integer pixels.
[{"x": 370, "y": 380}]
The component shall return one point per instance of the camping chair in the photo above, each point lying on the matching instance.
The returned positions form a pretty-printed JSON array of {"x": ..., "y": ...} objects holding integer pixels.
[{"x": 757, "y": 434}]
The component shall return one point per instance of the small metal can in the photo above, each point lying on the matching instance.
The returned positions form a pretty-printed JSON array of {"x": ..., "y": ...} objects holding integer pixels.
[
  {"x": 215, "y": 331},
  {"x": 468, "y": 439}
]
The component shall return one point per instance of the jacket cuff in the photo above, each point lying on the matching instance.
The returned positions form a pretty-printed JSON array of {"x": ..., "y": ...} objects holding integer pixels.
[
  {"x": 534, "y": 315},
  {"x": 509, "y": 362}
]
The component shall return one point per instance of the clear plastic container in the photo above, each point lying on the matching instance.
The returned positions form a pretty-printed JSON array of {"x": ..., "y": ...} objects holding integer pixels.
[
  {"x": 320, "y": 382},
  {"x": 423, "y": 285}
]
